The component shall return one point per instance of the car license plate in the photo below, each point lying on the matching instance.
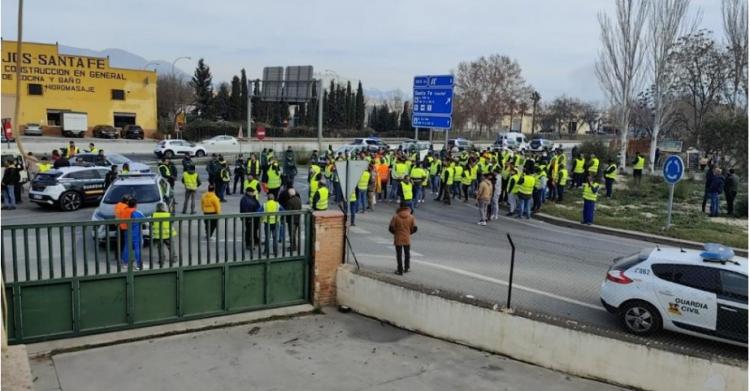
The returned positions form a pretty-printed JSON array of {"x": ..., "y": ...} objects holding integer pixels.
[{"x": 35, "y": 197}]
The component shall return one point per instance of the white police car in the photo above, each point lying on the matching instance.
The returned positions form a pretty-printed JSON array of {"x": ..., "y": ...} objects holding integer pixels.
[{"x": 700, "y": 293}]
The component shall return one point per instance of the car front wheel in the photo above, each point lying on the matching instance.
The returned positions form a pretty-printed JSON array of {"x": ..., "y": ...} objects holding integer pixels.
[
  {"x": 70, "y": 201},
  {"x": 200, "y": 153},
  {"x": 168, "y": 154},
  {"x": 640, "y": 318}
]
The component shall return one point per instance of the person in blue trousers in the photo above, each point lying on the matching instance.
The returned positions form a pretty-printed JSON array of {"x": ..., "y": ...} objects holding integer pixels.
[
  {"x": 135, "y": 234},
  {"x": 590, "y": 194}
]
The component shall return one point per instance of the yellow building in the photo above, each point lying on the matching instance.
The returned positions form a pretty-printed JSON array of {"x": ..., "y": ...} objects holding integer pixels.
[{"x": 53, "y": 83}]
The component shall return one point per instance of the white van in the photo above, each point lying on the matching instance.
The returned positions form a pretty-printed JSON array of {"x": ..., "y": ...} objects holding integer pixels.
[{"x": 512, "y": 140}]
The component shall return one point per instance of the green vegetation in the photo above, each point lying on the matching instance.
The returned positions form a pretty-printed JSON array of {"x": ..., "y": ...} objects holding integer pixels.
[{"x": 644, "y": 210}]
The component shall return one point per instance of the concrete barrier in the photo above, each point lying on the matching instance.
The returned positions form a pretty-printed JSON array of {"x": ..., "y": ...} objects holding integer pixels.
[{"x": 545, "y": 344}]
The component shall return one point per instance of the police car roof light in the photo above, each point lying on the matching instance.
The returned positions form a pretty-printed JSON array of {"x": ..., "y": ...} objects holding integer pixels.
[
  {"x": 135, "y": 174},
  {"x": 715, "y": 252}
]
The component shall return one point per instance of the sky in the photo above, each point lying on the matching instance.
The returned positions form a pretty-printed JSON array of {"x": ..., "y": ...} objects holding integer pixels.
[{"x": 384, "y": 43}]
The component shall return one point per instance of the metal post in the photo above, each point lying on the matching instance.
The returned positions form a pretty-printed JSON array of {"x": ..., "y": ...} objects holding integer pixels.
[
  {"x": 446, "y": 142},
  {"x": 249, "y": 111},
  {"x": 17, "y": 111},
  {"x": 320, "y": 115},
  {"x": 416, "y": 134},
  {"x": 669, "y": 206},
  {"x": 512, "y": 264}
]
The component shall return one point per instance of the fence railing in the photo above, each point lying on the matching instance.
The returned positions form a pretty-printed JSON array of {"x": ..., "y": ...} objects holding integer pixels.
[{"x": 35, "y": 252}]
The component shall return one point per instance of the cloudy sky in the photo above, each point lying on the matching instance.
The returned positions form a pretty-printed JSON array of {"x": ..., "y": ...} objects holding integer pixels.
[{"x": 384, "y": 43}]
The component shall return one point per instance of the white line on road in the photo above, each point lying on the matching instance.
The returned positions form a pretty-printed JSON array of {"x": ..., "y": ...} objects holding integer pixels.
[{"x": 494, "y": 281}]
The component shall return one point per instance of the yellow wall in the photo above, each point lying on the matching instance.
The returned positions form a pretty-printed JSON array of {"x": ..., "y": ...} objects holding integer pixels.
[{"x": 75, "y": 83}]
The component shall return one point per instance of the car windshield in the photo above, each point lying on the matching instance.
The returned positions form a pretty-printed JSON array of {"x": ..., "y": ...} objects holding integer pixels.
[
  {"x": 47, "y": 177},
  {"x": 356, "y": 141},
  {"x": 116, "y": 158},
  {"x": 142, "y": 193}
]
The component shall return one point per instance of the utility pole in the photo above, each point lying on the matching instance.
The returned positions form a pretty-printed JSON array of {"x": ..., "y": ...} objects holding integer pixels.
[
  {"x": 17, "y": 111},
  {"x": 320, "y": 115},
  {"x": 249, "y": 110},
  {"x": 535, "y": 97}
]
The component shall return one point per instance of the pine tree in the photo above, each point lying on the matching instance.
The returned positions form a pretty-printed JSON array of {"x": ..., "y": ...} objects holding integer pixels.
[
  {"x": 312, "y": 110},
  {"x": 204, "y": 90},
  {"x": 221, "y": 104},
  {"x": 348, "y": 106},
  {"x": 326, "y": 109},
  {"x": 359, "y": 109},
  {"x": 244, "y": 94},
  {"x": 235, "y": 100},
  {"x": 300, "y": 114}
]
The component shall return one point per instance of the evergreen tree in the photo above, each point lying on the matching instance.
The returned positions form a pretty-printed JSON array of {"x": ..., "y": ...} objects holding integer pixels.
[
  {"x": 326, "y": 109},
  {"x": 235, "y": 100},
  {"x": 243, "y": 94},
  {"x": 300, "y": 114},
  {"x": 204, "y": 91},
  {"x": 359, "y": 109},
  {"x": 312, "y": 109},
  {"x": 348, "y": 106},
  {"x": 221, "y": 104},
  {"x": 330, "y": 108}
]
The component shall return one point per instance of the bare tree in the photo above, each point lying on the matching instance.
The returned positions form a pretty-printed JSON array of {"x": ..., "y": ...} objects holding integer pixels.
[
  {"x": 535, "y": 98},
  {"x": 590, "y": 114},
  {"x": 561, "y": 111},
  {"x": 487, "y": 87},
  {"x": 619, "y": 67},
  {"x": 172, "y": 96},
  {"x": 666, "y": 24},
  {"x": 735, "y": 30},
  {"x": 702, "y": 73}
]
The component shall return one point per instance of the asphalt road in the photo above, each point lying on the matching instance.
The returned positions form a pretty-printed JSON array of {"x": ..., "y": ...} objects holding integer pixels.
[{"x": 558, "y": 270}]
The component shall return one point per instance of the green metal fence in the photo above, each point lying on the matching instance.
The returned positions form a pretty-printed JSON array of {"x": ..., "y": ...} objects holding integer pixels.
[{"x": 69, "y": 279}]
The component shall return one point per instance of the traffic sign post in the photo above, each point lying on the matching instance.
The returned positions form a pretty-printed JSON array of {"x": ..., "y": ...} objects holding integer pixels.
[
  {"x": 260, "y": 133},
  {"x": 673, "y": 170}
]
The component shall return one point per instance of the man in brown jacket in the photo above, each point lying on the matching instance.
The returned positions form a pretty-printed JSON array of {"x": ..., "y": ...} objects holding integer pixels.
[
  {"x": 402, "y": 226},
  {"x": 484, "y": 195}
]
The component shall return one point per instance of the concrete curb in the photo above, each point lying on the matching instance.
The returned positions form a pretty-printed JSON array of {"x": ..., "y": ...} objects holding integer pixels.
[
  {"x": 658, "y": 239},
  {"x": 16, "y": 369}
]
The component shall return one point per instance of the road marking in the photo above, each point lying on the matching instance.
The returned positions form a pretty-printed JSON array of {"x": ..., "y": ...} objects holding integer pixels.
[
  {"x": 358, "y": 230},
  {"x": 495, "y": 281}
]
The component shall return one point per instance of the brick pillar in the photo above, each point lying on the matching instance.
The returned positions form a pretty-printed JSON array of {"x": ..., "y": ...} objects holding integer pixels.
[{"x": 328, "y": 254}]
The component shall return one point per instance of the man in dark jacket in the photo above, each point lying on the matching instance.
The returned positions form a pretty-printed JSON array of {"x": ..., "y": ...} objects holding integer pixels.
[
  {"x": 11, "y": 180},
  {"x": 292, "y": 201},
  {"x": 187, "y": 163},
  {"x": 111, "y": 176},
  {"x": 714, "y": 189},
  {"x": 62, "y": 161},
  {"x": 250, "y": 204},
  {"x": 709, "y": 177},
  {"x": 731, "y": 183},
  {"x": 239, "y": 174},
  {"x": 290, "y": 166}
]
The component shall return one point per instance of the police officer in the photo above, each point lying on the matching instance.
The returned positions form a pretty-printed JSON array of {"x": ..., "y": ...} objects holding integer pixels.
[
  {"x": 239, "y": 174},
  {"x": 164, "y": 170}
]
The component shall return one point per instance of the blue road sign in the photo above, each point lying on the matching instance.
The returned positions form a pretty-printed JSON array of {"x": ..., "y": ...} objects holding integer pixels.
[
  {"x": 673, "y": 169},
  {"x": 431, "y": 121},
  {"x": 433, "y": 101}
]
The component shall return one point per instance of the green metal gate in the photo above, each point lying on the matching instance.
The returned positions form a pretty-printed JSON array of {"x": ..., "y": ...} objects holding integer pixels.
[{"x": 68, "y": 279}]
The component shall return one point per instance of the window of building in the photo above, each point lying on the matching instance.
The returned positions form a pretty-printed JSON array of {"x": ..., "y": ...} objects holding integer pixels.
[
  {"x": 35, "y": 89},
  {"x": 118, "y": 95},
  {"x": 53, "y": 118}
]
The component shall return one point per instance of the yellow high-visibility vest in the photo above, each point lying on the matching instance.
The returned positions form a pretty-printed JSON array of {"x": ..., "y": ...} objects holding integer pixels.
[
  {"x": 562, "y": 176},
  {"x": 406, "y": 189},
  {"x": 44, "y": 167},
  {"x": 612, "y": 175},
  {"x": 588, "y": 192},
  {"x": 163, "y": 229},
  {"x": 640, "y": 161},
  {"x": 190, "y": 180},
  {"x": 322, "y": 203},
  {"x": 514, "y": 178},
  {"x": 527, "y": 187},
  {"x": 594, "y": 167},
  {"x": 364, "y": 180},
  {"x": 251, "y": 184},
  {"x": 270, "y": 206},
  {"x": 578, "y": 167},
  {"x": 274, "y": 179}
]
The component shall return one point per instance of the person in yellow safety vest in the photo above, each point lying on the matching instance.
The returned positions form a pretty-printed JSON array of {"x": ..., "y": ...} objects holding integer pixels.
[
  {"x": 353, "y": 205},
  {"x": 92, "y": 148},
  {"x": 271, "y": 228},
  {"x": 252, "y": 183},
  {"x": 610, "y": 176},
  {"x": 525, "y": 191},
  {"x": 71, "y": 150},
  {"x": 435, "y": 176},
  {"x": 446, "y": 183},
  {"x": 320, "y": 197},
  {"x": 314, "y": 183},
  {"x": 466, "y": 181},
  {"x": 458, "y": 171},
  {"x": 163, "y": 231},
  {"x": 253, "y": 166},
  {"x": 540, "y": 187},
  {"x": 512, "y": 190},
  {"x": 578, "y": 170},
  {"x": 519, "y": 160},
  {"x": 398, "y": 172},
  {"x": 638, "y": 165},
  {"x": 593, "y": 166},
  {"x": 225, "y": 176},
  {"x": 361, "y": 191},
  {"x": 562, "y": 180},
  {"x": 274, "y": 178},
  {"x": 590, "y": 191},
  {"x": 191, "y": 181},
  {"x": 407, "y": 193},
  {"x": 505, "y": 175},
  {"x": 44, "y": 165},
  {"x": 419, "y": 177}
]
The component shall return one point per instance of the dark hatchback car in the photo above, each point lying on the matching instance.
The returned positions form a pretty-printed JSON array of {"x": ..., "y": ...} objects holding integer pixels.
[
  {"x": 105, "y": 131},
  {"x": 132, "y": 131}
]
